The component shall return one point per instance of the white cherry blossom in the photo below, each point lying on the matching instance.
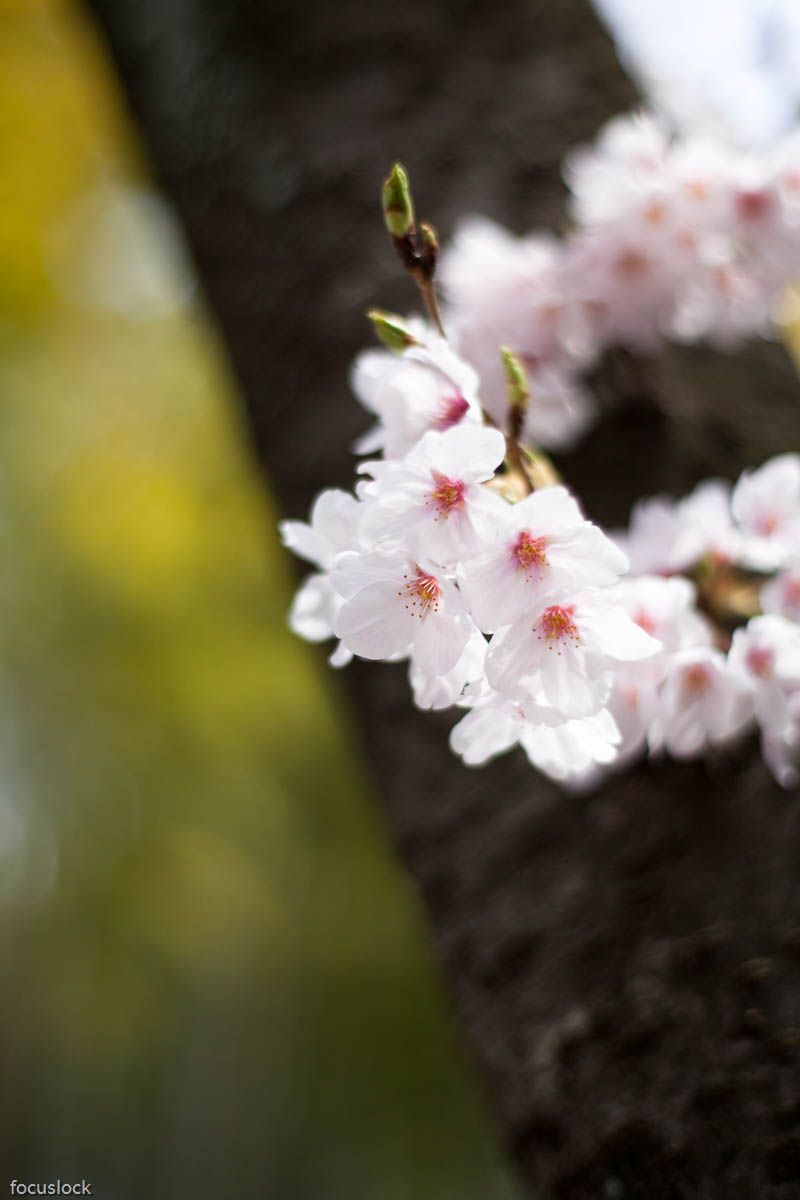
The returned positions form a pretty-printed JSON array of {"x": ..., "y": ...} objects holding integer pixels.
[
  {"x": 427, "y": 387},
  {"x": 335, "y": 518},
  {"x": 701, "y": 703},
  {"x": 781, "y": 594},
  {"x": 766, "y": 505},
  {"x": 432, "y": 501},
  {"x": 765, "y": 660},
  {"x": 706, "y": 525},
  {"x": 542, "y": 546},
  {"x": 395, "y": 605},
  {"x": 566, "y": 653}
]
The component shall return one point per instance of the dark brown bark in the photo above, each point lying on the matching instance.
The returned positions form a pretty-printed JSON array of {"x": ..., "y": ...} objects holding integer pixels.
[{"x": 625, "y": 966}]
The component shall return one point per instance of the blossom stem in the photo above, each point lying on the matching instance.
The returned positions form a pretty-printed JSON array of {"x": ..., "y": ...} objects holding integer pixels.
[{"x": 728, "y": 595}]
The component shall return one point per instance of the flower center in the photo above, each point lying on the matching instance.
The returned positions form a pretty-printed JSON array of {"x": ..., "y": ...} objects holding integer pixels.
[
  {"x": 557, "y": 626},
  {"x": 696, "y": 679},
  {"x": 447, "y": 496},
  {"x": 451, "y": 411},
  {"x": 759, "y": 661},
  {"x": 654, "y": 213},
  {"x": 753, "y": 204},
  {"x": 767, "y": 524},
  {"x": 529, "y": 554},
  {"x": 632, "y": 264},
  {"x": 422, "y": 593},
  {"x": 698, "y": 188}
]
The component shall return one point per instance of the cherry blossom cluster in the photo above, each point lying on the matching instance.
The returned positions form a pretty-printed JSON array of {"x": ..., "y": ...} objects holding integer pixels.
[
  {"x": 512, "y": 611},
  {"x": 678, "y": 635},
  {"x": 680, "y": 238},
  {"x": 733, "y": 553},
  {"x": 460, "y": 552}
]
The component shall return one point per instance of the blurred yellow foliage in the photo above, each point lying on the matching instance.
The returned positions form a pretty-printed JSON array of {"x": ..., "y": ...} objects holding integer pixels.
[{"x": 209, "y": 963}]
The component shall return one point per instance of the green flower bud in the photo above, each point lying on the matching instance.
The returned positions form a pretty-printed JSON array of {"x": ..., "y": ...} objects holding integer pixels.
[
  {"x": 516, "y": 380},
  {"x": 398, "y": 207},
  {"x": 391, "y": 330}
]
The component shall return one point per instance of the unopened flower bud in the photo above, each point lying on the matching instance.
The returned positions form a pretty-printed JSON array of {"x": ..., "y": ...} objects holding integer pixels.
[
  {"x": 398, "y": 206},
  {"x": 516, "y": 380},
  {"x": 429, "y": 249},
  {"x": 391, "y": 330},
  {"x": 516, "y": 390}
]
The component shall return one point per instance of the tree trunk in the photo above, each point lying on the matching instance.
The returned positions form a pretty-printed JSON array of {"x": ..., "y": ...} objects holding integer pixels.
[{"x": 626, "y": 965}]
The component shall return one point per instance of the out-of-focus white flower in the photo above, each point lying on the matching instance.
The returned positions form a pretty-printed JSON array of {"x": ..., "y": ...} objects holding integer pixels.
[
  {"x": 664, "y": 608},
  {"x": 781, "y": 594},
  {"x": 651, "y": 540},
  {"x": 766, "y": 505},
  {"x": 507, "y": 291},
  {"x": 782, "y": 751},
  {"x": 333, "y": 527},
  {"x": 431, "y": 501},
  {"x": 701, "y": 703},
  {"x": 564, "y": 750},
  {"x": 542, "y": 546},
  {"x": 706, "y": 525},
  {"x": 571, "y": 753},
  {"x": 492, "y": 726},
  {"x": 765, "y": 660}
]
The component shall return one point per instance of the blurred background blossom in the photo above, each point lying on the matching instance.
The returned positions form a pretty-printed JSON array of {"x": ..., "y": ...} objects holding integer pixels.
[{"x": 214, "y": 979}]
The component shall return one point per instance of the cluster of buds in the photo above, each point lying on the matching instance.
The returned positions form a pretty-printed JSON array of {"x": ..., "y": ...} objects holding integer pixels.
[
  {"x": 669, "y": 238},
  {"x": 460, "y": 552}
]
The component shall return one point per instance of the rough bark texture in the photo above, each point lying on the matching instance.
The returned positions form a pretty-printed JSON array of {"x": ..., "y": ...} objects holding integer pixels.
[{"x": 625, "y": 966}]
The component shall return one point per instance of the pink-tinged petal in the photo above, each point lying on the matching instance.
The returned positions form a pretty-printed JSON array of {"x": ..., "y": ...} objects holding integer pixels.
[
  {"x": 486, "y": 732},
  {"x": 442, "y": 691},
  {"x": 439, "y": 642},
  {"x": 512, "y": 665},
  {"x": 314, "y": 609},
  {"x": 355, "y": 570},
  {"x": 303, "y": 541},
  {"x": 374, "y": 624},
  {"x": 340, "y": 657},
  {"x": 474, "y": 449},
  {"x": 621, "y": 638},
  {"x": 335, "y": 515},
  {"x": 496, "y": 593},
  {"x": 566, "y": 687},
  {"x": 552, "y": 511}
]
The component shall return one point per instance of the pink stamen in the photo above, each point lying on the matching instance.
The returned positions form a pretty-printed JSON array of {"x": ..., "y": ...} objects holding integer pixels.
[
  {"x": 633, "y": 264},
  {"x": 767, "y": 524},
  {"x": 422, "y": 592},
  {"x": 753, "y": 203},
  {"x": 696, "y": 679},
  {"x": 654, "y": 213},
  {"x": 447, "y": 496},
  {"x": 529, "y": 553},
  {"x": 452, "y": 410},
  {"x": 557, "y": 626},
  {"x": 698, "y": 188}
]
